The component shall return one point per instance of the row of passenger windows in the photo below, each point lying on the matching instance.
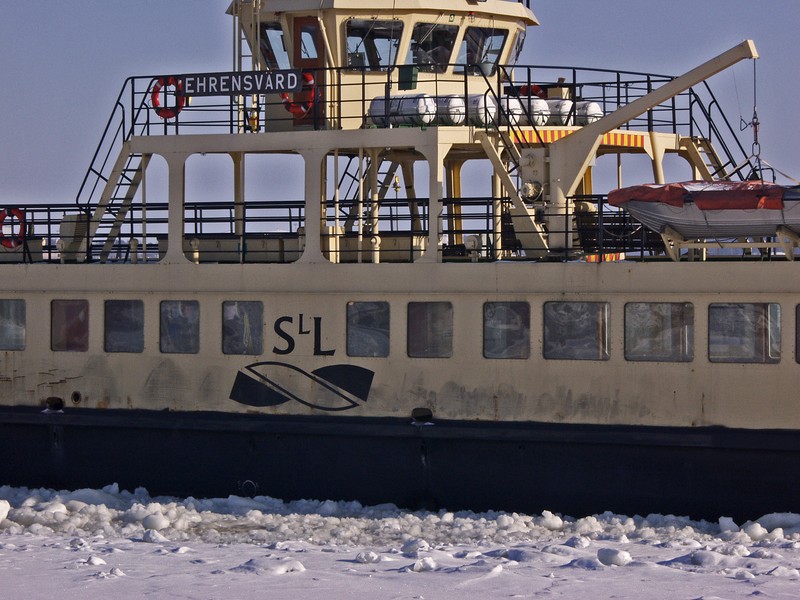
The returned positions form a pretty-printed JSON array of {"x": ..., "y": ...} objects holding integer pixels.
[{"x": 654, "y": 331}]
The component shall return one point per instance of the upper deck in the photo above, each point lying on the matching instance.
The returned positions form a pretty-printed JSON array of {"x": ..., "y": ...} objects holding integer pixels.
[{"x": 365, "y": 97}]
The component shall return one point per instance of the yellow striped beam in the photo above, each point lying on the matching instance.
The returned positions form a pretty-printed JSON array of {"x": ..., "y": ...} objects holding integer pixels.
[{"x": 628, "y": 139}]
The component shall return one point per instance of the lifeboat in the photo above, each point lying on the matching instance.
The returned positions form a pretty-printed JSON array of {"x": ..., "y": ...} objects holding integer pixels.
[{"x": 713, "y": 209}]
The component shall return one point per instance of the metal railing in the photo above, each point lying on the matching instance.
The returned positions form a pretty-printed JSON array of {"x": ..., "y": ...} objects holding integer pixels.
[
  {"x": 694, "y": 113},
  {"x": 478, "y": 229},
  {"x": 344, "y": 102},
  {"x": 335, "y": 104}
]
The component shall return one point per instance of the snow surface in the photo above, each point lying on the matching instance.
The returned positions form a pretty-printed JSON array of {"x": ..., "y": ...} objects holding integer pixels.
[{"x": 113, "y": 543}]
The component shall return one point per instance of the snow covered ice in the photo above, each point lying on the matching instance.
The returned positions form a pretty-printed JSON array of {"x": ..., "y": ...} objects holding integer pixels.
[{"x": 111, "y": 541}]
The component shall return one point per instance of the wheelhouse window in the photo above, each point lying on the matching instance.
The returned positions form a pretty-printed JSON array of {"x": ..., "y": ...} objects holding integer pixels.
[
  {"x": 659, "y": 331},
  {"x": 368, "y": 329},
  {"x": 372, "y": 45},
  {"x": 242, "y": 327},
  {"x": 506, "y": 330},
  {"x": 12, "y": 324},
  {"x": 69, "y": 325},
  {"x": 518, "y": 44},
  {"x": 430, "y": 329},
  {"x": 180, "y": 327},
  {"x": 273, "y": 46},
  {"x": 744, "y": 333},
  {"x": 432, "y": 46},
  {"x": 576, "y": 330},
  {"x": 480, "y": 50},
  {"x": 123, "y": 326},
  {"x": 308, "y": 41}
]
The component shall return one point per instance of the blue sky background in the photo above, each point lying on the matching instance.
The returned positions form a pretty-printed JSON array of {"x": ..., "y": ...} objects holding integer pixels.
[{"x": 63, "y": 64}]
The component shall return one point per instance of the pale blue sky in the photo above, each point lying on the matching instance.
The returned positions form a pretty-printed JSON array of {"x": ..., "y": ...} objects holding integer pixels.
[{"x": 63, "y": 64}]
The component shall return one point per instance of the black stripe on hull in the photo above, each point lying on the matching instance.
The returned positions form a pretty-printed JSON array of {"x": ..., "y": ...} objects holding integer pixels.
[{"x": 570, "y": 469}]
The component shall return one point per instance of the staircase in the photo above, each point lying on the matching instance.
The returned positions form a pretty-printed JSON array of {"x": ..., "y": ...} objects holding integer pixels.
[
  {"x": 112, "y": 211},
  {"x": 349, "y": 190},
  {"x": 705, "y": 160},
  {"x": 114, "y": 174},
  {"x": 119, "y": 188}
]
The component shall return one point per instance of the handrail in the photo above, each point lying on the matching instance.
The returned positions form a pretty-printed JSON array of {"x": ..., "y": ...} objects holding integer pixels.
[
  {"x": 610, "y": 88},
  {"x": 718, "y": 137},
  {"x": 112, "y": 136},
  {"x": 117, "y": 104},
  {"x": 685, "y": 113},
  {"x": 601, "y": 232}
]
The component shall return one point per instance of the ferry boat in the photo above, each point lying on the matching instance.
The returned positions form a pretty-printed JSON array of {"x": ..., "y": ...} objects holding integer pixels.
[{"x": 390, "y": 335}]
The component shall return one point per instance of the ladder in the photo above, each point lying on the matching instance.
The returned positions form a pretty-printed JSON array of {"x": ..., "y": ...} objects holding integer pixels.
[
  {"x": 349, "y": 184},
  {"x": 110, "y": 184},
  {"x": 705, "y": 160},
  {"x": 128, "y": 180}
]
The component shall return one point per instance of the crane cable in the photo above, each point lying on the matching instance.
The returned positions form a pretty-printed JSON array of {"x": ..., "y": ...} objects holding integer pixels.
[{"x": 755, "y": 148}]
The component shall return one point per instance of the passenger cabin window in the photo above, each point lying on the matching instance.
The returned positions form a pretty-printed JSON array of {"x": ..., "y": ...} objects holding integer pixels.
[
  {"x": 123, "y": 326},
  {"x": 480, "y": 50},
  {"x": 432, "y": 46},
  {"x": 744, "y": 333},
  {"x": 180, "y": 327},
  {"x": 242, "y": 327},
  {"x": 372, "y": 45},
  {"x": 368, "y": 329},
  {"x": 69, "y": 325},
  {"x": 273, "y": 46},
  {"x": 430, "y": 329},
  {"x": 576, "y": 330},
  {"x": 506, "y": 330},
  {"x": 659, "y": 331},
  {"x": 12, "y": 324}
]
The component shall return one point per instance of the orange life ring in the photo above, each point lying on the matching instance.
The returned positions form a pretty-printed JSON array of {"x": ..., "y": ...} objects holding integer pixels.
[
  {"x": 13, "y": 240},
  {"x": 167, "y": 112},
  {"x": 300, "y": 109},
  {"x": 533, "y": 90}
]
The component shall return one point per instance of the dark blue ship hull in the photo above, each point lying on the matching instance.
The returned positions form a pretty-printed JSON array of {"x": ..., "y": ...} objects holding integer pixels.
[{"x": 570, "y": 469}]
